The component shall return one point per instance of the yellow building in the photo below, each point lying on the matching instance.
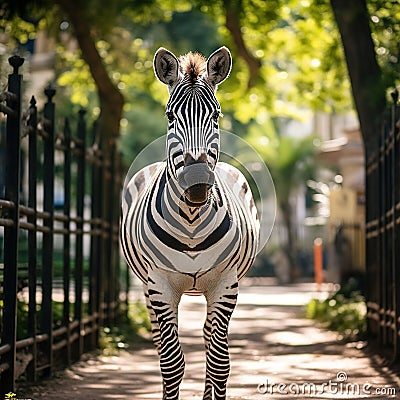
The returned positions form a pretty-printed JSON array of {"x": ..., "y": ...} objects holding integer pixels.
[{"x": 347, "y": 204}]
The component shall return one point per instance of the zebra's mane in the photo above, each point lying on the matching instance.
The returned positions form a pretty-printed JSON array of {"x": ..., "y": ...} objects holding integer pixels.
[{"x": 192, "y": 64}]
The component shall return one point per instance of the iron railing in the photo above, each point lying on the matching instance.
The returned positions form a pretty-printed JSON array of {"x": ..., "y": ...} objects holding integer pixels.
[
  {"x": 59, "y": 260},
  {"x": 383, "y": 235}
]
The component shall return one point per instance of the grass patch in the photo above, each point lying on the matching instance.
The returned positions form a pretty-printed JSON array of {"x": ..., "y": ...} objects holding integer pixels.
[
  {"x": 134, "y": 327},
  {"x": 344, "y": 312}
]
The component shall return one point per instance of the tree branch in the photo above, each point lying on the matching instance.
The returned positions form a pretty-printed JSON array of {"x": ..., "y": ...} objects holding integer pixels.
[{"x": 232, "y": 22}]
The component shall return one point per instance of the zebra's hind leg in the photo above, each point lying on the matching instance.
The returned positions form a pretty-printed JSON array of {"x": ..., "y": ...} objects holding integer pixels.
[
  {"x": 164, "y": 297},
  {"x": 221, "y": 301}
]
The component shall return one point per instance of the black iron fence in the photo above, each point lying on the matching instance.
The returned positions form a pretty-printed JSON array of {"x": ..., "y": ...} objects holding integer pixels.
[
  {"x": 383, "y": 235},
  {"x": 59, "y": 252}
]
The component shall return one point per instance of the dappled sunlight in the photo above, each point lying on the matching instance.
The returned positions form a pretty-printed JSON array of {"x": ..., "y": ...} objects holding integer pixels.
[
  {"x": 309, "y": 83},
  {"x": 303, "y": 337},
  {"x": 269, "y": 343}
]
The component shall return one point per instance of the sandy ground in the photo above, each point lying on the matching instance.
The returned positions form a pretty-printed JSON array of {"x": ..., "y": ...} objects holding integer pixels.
[{"x": 275, "y": 354}]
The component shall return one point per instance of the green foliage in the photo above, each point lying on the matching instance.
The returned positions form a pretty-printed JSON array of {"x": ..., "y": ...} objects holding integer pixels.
[
  {"x": 22, "y": 315},
  {"x": 76, "y": 81},
  {"x": 113, "y": 340},
  {"x": 386, "y": 35},
  {"x": 299, "y": 59},
  {"x": 297, "y": 43},
  {"x": 344, "y": 314},
  {"x": 291, "y": 160},
  {"x": 22, "y": 318},
  {"x": 296, "y": 59},
  {"x": 139, "y": 318},
  {"x": 146, "y": 123}
]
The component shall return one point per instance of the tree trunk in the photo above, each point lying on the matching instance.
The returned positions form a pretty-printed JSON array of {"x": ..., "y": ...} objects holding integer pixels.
[
  {"x": 365, "y": 74},
  {"x": 232, "y": 22},
  {"x": 110, "y": 98},
  {"x": 107, "y": 133}
]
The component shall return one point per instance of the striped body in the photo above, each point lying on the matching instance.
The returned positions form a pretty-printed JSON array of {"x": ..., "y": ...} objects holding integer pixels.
[
  {"x": 189, "y": 224},
  {"x": 189, "y": 241}
]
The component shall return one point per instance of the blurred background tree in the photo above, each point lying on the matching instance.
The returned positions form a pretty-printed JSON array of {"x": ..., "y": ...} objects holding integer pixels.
[
  {"x": 288, "y": 63},
  {"x": 368, "y": 79},
  {"x": 283, "y": 52},
  {"x": 292, "y": 162}
]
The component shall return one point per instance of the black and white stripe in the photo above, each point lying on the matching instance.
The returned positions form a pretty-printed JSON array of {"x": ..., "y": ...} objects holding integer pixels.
[{"x": 196, "y": 240}]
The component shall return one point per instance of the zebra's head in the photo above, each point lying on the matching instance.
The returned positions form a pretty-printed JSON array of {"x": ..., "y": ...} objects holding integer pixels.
[{"x": 193, "y": 112}]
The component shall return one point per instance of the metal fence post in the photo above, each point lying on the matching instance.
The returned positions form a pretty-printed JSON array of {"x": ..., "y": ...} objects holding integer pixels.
[
  {"x": 117, "y": 262},
  {"x": 46, "y": 337},
  {"x": 67, "y": 237},
  {"x": 48, "y": 238},
  {"x": 383, "y": 235},
  {"x": 395, "y": 126},
  {"x": 32, "y": 239},
  {"x": 80, "y": 197},
  {"x": 102, "y": 277},
  {"x": 111, "y": 250},
  {"x": 11, "y": 232},
  {"x": 94, "y": 267}
]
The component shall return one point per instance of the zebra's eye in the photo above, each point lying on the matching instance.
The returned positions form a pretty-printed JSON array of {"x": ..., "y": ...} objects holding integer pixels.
[
  {"x": 170, "y": 116},
  {"x": 216, "y": 115}
]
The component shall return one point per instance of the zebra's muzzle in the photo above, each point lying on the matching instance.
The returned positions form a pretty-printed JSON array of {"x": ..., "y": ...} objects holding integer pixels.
[{"x": 196, "y": 180}]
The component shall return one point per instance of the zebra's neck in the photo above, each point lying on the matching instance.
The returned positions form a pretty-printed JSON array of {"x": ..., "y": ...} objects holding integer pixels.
[{"x": 189, "y": 223}]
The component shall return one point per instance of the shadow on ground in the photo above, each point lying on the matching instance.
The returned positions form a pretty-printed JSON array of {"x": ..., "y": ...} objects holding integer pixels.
[{"x": 275, "y": 354}]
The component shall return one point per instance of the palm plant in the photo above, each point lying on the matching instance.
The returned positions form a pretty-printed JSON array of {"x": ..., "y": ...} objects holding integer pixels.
[{"x": 291, "y": 161}]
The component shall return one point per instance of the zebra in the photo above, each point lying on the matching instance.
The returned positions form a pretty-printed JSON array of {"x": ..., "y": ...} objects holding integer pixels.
[{"x": 189, "y": 225}]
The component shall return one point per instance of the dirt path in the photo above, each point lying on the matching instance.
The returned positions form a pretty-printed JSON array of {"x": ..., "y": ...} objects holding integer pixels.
[{"x": 275, "y": 354}]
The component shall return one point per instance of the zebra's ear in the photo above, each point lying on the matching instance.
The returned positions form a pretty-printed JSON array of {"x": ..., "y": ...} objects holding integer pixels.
[
  {"x": 166, "y": 66},
  {"x": 219, "y": 66}
]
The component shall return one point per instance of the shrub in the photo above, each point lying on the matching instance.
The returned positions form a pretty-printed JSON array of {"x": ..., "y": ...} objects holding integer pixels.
[
  {"x": 345, "y": 314},
  {"x": 135, "y": 327}
]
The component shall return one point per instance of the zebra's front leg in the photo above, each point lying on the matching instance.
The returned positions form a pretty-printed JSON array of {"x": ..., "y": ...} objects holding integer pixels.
[
  {"x": 155, "y": 327},
  {"x": 221, "y": 302},
  {"x": 164, "y": 299}
]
